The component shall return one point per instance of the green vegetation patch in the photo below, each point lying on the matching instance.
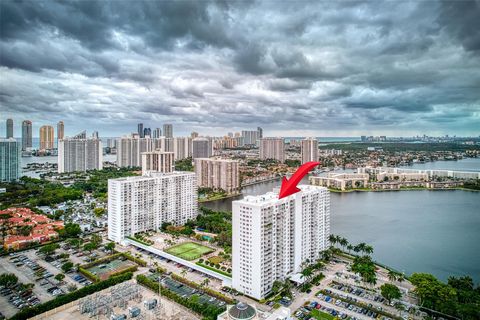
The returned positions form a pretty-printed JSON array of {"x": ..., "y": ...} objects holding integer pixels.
[
  {"x": 189, "y": 250},
  {"x": 321, "y": 315},
  {"x": 216, "y": 259}
]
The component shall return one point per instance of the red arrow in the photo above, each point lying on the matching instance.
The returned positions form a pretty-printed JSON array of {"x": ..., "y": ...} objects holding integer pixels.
[{"x": 290, "y": 186}]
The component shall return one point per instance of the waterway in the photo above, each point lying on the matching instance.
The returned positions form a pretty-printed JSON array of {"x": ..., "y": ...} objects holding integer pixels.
[{"x": 436, "y": 232}]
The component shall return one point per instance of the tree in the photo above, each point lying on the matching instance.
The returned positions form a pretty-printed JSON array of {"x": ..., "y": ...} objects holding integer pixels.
[
  {"x": 67, "y": 266},
  {"x": 277, "y": 287},
  {"x": 98, "y": 212},
  {"x": 333, "y": 239},
  {"x": 343, "y": 242},
  {"x": 205, "y": 282},
  {"x": 90, "y": 247},
  {"x": 72, "y": 230},
  {"x": 49, "y": 249},
  {"x": 8, "y": 279},
  {"x": 184, "y": 273},
  {"x": 392, "y": 275},
  {"x": 96, "y": 239},
  {"x": 60, "y": 277},
  {"x": 75, "y": 242},
  {"x": 110, "y": 246},
  {"x": 307, "y": 273},
  {"x": 287, "y": 288},
  {"x": 390, "y": 292}
]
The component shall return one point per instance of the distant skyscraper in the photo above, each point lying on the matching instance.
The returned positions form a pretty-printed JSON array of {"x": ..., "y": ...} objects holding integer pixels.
[
  {"x": 168, "y": 130},
  {"x": 260, "y": 132},
  {"x": 26, "y": 135},
  {"x": 60, "y": 131},
  {"x": 157, "y": 133},
  {"x": 147, "y": 132},
  {"x": 250, "y": 137},
  {"x": 201, "y": 148},
  {"x": 157, "y": 161},
  {"x": 194, "y": 135},
  {"x": 272, "y": 238},
  {"x": 140, "y": 130},
  {"x": 130, "y": 148},
  {"x": 218, "y": 174},
  {"x": 46, "y": 138},
  {"x": 182, "y": 147},
  {"x": 9, "y": 128},
  {"x": 272, "y": 148},
  {"x": 95, "y": 134},
  {"x": 309, "y": 150},
  {"x": 9, "y": 160},
  {"x": 80, "y": 153}
]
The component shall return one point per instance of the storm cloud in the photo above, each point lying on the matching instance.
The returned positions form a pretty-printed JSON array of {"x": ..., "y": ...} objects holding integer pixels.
[{"x": 334, "y": 68}]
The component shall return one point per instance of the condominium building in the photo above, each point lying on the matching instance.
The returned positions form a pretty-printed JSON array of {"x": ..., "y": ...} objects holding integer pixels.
[
  {"x": 272, "y": 148},
  {"x": 157, "y": 133},
  {"x": 168, "y": 130},
  {"x": 201, "y": 148},
  {"x": 142, "y": 203},
  {"x": 309, "y": 150},
  {"x": 9, "y": 160},
  {"x": 26, "y": 135},
  {"x": 46, "y": 138},
  {"x": 60, "y": 130},
  {"x": 140, "y": 130},
  {"x": 273, "y": 237},
  {"x": 250, "y": 137},
  {"x": 218, "y": 174},
  {"x": 9, "y": 133},
  {"x": 158, "y": 161},
  {"x": 182, "y": 147},
  {"x": 341, "y": 181},
  {"x": 130, "y": 148},
  {"x": 80, "y": 153}
]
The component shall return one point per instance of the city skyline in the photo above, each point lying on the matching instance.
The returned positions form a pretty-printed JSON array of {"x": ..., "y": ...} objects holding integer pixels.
[{"x": 331, "y": 69}]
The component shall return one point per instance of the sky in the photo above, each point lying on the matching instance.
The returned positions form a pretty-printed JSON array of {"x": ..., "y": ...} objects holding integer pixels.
[{"x": 320, "y": 68}]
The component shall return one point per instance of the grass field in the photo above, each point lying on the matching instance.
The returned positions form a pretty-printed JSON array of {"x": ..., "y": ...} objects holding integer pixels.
[{"x": 189, "y": 250}]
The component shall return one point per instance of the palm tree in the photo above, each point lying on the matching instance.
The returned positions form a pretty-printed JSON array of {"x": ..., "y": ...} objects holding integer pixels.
[
  {"x": 184, "y": 273},
  {"x": 287, "y": 288},
  {"x": 307, "y": 273},
  {"x": 205, "y": 283},
  {"x": 333, "y": 239},
  {"x": 368, "y": 249},
  {"x": 349, "y": 248},
  {"x": 343, "y": 242},
  {"x": 392, "y": 275}
]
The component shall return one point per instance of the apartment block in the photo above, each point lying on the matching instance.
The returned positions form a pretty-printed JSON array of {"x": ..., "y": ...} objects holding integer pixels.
[
  {"x": 218, "y": 174},
  {"x": 46, "y": 138},
  {"x": 182, "y": 147},
  {"x": 272, "y": 148},
  {"x": 273, "y": 237},
  {"x": 130, "y": 148},
  {"x": 142, "y": 203},
  {"x": 158, "y": 161},
  {"x": 309, "y": 150},
  {"x": 80, "y": 153},
  {"x": 9, "y": 160}
]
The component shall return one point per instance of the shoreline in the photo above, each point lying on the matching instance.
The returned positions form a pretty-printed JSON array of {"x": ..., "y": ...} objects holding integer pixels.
[
  {"x": 402, "y": 189},
  {"x": 221, "y": 198}
]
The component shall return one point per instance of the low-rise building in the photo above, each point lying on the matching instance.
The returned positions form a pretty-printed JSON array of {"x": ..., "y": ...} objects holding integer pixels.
[
  {"x": 341, "y": 181},
  {"x": 25, "y": 228}
]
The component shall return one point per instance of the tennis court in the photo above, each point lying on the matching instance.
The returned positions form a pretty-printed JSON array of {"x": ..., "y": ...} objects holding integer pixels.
[
  {"x": 189, "y": 250},
  {"x": 105, "y": 270}
]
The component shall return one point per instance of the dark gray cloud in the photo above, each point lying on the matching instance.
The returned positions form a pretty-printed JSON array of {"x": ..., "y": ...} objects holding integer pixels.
[{"x": 328, "y": 68}]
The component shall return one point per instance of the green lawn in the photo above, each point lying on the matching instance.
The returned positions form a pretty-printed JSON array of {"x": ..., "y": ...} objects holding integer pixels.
[
  {"x": 189, "y": 250},
  {"x": 321, "y": 315}
]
